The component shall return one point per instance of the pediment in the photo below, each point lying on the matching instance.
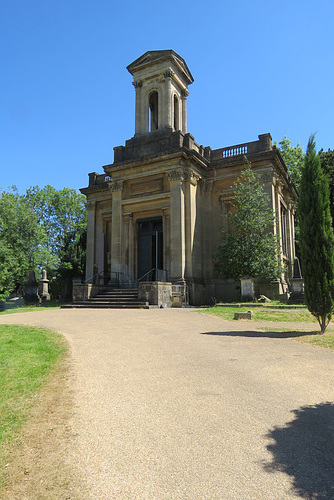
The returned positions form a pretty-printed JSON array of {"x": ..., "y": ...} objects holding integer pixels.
[{"x": 153, "y": 57}]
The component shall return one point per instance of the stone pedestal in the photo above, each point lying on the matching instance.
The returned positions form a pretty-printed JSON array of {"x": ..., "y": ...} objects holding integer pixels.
[
  {"x": 155, "y": 293},
  {"x": 44, "y": 287}
]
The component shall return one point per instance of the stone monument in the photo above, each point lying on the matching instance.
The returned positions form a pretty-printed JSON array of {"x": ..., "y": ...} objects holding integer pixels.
[{"x": 44, "y": 287}]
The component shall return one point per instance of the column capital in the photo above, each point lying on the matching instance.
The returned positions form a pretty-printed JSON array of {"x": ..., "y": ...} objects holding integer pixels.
[
  {"x": 116, "y": 186},
  {"x": 184, "y": 93},
  {"x": 137, "y": 84},
  {"x": 90, "y": 205},
  {"x": 176, "y": 175},
  {"x": 169, "y": 73}
]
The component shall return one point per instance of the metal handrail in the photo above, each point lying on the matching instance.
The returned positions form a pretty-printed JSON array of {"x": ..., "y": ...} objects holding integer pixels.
[
  {"x": 148, "y": 272},
  {"x": 94, "y": 276}
]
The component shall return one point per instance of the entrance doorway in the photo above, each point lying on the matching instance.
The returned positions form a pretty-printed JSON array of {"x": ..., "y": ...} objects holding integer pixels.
[{"x": 150, "y": 250}]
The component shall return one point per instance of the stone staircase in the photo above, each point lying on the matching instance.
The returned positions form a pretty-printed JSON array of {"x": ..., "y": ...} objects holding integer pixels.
[{"x": 125, "y": 298}]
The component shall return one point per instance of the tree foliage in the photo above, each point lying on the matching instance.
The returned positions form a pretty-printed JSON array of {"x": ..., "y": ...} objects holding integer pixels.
[
  {"x": 21, "y": 241},
  {"x": 316, "y": 238},
  {"x": 327, "y": 164},
  {"x": 43, "y": 229},
  {"x": 293, "y": 158},
  {"x": 248, "y": 245}
]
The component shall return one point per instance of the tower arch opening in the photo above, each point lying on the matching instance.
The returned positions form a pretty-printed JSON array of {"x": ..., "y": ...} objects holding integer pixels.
[
  {"x": 176, "y": 109},
  {"x": 153, "y": 103}
]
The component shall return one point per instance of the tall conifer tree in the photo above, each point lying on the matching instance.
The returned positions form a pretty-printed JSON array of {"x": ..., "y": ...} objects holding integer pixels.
[{"x": 316, "y": 238}]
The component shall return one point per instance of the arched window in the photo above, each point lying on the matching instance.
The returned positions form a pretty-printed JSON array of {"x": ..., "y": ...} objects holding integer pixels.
[
  {"x": 153, "y": 111},
  {"x": 176, "y": 113}
]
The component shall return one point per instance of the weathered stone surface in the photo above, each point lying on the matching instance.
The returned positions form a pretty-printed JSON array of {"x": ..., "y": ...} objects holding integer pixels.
[
  {"x": 243, "y": 315},
  {"x": 155, "y": 293}
]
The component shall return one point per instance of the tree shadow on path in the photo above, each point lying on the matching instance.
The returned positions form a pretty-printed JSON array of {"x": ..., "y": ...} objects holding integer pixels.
[
  {"x": 263, "y": 334},
  {"x": 304, "y": 449}
]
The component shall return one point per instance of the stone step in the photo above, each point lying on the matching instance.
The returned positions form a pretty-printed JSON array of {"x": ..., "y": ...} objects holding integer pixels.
[{"x": 94, "y": 305}]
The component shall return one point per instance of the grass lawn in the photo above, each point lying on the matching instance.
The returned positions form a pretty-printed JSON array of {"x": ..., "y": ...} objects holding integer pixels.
[
  {"x": 38, "y": 307},
  {"x": 299, "y": 315},
  {"x": 263, "y": 313},
  {"x": 27, "y": 356}
]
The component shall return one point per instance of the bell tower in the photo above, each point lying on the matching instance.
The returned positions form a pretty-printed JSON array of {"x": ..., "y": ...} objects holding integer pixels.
[{"x": 161, "y": 80}]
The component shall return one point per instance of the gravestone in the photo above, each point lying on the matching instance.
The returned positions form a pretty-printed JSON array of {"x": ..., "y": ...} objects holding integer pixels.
[{"x": 31, "y": 289}]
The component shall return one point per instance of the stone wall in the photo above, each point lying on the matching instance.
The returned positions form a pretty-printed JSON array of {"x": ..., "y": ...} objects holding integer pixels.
[
  {"x": 155, "y": 293},
  {"x": 84, "y": 291}
]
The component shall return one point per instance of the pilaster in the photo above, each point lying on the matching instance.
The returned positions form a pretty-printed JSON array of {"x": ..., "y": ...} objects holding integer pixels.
[
  {"x": 116, "y": 227},
  {"x": 177, "y": 229},
  {"x": 207, "y": 231},
  {"x": 90, "y": 255}
]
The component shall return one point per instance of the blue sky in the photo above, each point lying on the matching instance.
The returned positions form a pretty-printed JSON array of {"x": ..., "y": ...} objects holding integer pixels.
[{"x": 67, "y": 98}]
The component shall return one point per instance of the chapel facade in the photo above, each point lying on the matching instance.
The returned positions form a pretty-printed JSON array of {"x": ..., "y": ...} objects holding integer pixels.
[{"x": 156, "y": 212}]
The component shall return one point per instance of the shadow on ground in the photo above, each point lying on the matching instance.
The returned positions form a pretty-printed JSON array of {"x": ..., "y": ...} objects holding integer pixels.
[
  {"x": 263, "y": 334},
  {"x": 304, "y": 449}
]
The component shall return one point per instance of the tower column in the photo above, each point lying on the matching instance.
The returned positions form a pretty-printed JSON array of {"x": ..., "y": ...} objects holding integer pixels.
[
  {"x": 138, "y": 119},
  {"x": 185, "y": 94},
  {"x": 168, "y": 99}
]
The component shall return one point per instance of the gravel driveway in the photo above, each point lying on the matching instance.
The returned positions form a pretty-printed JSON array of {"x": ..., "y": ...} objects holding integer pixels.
[{"x": 173, "y": 404}]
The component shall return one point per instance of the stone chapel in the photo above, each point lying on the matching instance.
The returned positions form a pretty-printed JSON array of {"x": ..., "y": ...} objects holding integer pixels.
[{"x": 155, "y": 214}]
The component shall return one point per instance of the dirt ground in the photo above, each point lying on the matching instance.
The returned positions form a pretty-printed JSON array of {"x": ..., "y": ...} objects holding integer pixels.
[{"x": 37, "y": 465}]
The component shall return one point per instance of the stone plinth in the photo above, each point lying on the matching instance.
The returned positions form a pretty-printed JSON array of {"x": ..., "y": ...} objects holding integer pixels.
[
  {"x": 83, "y": 291},
  {"x": 155, "y": 293}
]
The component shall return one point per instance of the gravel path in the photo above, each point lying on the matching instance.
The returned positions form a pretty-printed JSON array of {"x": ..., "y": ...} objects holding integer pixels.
[{"x": 173, "y": 404}]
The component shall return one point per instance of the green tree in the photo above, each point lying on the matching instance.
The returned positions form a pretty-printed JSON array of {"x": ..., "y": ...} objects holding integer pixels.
[
  {"x": 21, "y": 242},
  {"x": 293, "y": 158},
  {"x": 249, "y": 246},
  {"x": 316, "y": 238},
  {"x": 62, "y": 214},
  {"x": 327, "y": 164}
]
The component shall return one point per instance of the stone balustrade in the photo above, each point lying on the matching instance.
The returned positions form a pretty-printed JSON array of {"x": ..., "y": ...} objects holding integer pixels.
[{"x": 263, "y": 144}]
